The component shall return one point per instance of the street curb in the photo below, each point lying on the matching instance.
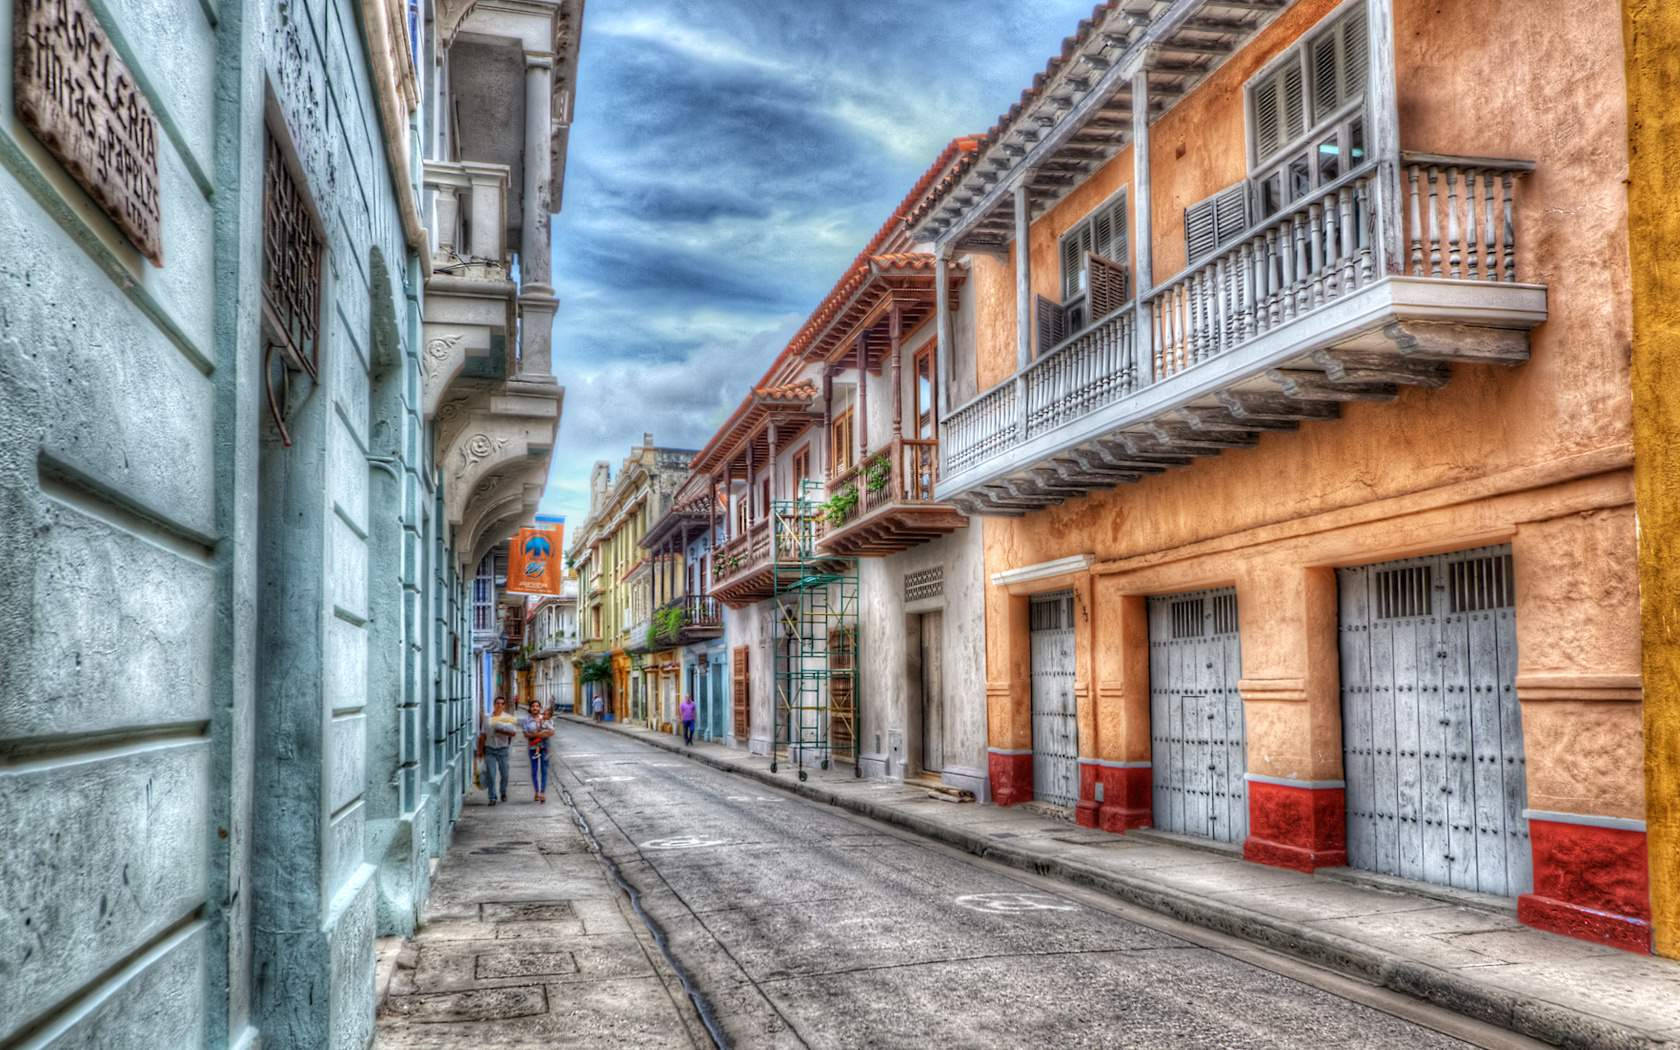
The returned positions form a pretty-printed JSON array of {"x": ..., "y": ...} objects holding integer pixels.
[{"x": 1546, "y": 1022}]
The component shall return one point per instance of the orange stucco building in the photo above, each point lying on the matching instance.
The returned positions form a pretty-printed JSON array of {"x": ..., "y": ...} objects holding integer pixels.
[{"x": 1304, "y": 447}]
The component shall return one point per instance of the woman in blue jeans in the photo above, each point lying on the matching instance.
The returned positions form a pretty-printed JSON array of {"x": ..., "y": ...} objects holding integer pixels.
[{"x": 538, "y": 728}]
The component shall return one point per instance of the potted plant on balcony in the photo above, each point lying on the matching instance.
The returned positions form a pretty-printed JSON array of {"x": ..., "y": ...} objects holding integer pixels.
[
  {"x": 840, "y": 505},
  {"x": 877, "y": 473},
  {"x": 667, "y": 623}
]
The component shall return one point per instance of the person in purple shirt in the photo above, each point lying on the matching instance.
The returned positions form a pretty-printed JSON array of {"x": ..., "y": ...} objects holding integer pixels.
[{"x": 685, "y": 711}]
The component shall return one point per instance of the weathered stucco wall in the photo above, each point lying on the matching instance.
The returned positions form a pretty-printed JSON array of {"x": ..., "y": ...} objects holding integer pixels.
[
  {"x": 1651, "y": 29},
  {"x": 1536, "y": 456}
]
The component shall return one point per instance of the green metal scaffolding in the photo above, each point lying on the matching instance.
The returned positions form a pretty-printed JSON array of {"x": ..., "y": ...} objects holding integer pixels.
[{"x": 815, "y": 643}]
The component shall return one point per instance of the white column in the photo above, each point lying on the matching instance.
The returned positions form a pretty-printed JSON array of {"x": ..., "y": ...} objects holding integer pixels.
[
  {"x": 1385, "y": 131},
  {"x": 1143, "y": 280},
  {"x": 942, "y": 332},
  {"x": 533, "y": 247},
  {"x": 1023, "y": 276}
]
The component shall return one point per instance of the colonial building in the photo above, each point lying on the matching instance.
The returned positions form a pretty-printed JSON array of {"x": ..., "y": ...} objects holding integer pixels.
[
  {"x": 551, "y": 637},
  {"x": 838, "y": 563},
  {"x": 239, "y": 508},
  {"x": 684, "y": 636},
  {"x": 610, "y": 564},
  {"x": 1302, "y": 437}
]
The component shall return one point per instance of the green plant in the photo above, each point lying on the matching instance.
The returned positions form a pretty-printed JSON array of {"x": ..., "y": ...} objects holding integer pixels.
[
  {"x": 840, "y": 505},
  {"x": 667, "y": 622},
  {"x": 877, "y": 473},
  {"x": 595, "y": 669}
]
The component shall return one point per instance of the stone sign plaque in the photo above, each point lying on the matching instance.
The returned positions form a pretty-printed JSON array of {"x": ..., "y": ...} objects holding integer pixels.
[{"x": 73, "y": 92}]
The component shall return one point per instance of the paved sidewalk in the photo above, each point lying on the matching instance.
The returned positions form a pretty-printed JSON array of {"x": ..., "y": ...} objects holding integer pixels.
[
  {"x": 526, "y": 942},
  {"x": 1470, "y": 954}
]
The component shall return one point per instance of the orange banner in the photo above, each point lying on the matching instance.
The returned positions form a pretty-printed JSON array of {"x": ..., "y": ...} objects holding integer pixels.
[{"x": 534, "y": 565}]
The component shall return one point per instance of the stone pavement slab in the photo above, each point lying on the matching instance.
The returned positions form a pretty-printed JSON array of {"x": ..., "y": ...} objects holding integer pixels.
[
  {"x": 526, "y": 942},
  {"x": 1471, "y": 957}
]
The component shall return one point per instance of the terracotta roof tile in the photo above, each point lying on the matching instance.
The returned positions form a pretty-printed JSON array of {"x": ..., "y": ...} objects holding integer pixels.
[{"x": 804, "y": 390}]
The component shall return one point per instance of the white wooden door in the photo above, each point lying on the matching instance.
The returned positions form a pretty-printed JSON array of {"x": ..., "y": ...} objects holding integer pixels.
[
  {"x": 1198, "y": 746},
  {"x": 933, "y": 694},
  {"x": 1431, "y": 729},
  {"x": 1055, "y": 725}
]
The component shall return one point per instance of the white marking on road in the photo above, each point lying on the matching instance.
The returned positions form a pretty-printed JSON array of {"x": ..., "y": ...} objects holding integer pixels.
[
  {"x": 681, "y": 842},
  {"x": 606, "y": 780},
  {"x": 1014, "y": 903}
]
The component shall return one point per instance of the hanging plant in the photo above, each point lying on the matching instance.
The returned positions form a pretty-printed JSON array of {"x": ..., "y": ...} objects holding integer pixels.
[
  {"x": 877, "y": 473},
  {"x": 840, "y": 505}
]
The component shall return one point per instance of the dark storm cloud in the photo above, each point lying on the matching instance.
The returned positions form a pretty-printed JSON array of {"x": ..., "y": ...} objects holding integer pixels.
[{"x": 727, "y": 160}]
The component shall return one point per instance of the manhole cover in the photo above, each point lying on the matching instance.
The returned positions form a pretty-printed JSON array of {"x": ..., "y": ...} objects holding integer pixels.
[
  {"x": 480, "y": 1004},
  {"x": 526, "y": 911},
  {"x": 523, "y": 964}
]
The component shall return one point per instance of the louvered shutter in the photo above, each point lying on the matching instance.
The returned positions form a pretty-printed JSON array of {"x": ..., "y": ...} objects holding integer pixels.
[
  {"x": 1051, "y": 321},
  {"x": 1279, "y": 110},
  {"x": 1108, "y": 286},
  {"x": 1109, "y": 232},
  {"x": 738, "y": 682},
  {"x": 1327, "y": 83},
  {"x": 1356, "y": 55},
  {"x": 1075, "y": 244},
  {"x": 1201, "y": 231},
  {"x": 1211, "y": 224}
]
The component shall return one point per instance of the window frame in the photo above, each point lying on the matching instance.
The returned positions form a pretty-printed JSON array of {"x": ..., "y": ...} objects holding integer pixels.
[
  {"x": 1337, "y": 122},
  {"x": 924, "y": 416},
  {"x": 842, "y": 453},
  {"x": 1118, "y": 204},
  {"x": 800, "y": 469}
]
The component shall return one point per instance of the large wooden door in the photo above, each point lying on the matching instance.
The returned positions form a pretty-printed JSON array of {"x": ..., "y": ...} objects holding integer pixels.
[
  {"x": 933, "y": 693},
  {"x": 1055, "y": 725},
  {"x": 1198, "y": 744},
  {"x": 738, "y": 697},
  {"x": 1431, "y": 728},
  {"x": 842, "y": 692},
  {"x": 715, "y": 706}
]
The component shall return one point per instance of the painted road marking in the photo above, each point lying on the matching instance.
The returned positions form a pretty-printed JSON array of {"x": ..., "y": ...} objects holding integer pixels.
[
  {"x": 681, "y": 842},
  {"x": 1014, "y": 903},
  {"x": 751, "y": 798},
  {"x": 606, "y": 780}
]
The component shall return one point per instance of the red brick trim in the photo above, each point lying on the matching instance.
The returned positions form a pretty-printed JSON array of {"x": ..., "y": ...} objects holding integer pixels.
[
  {"x": 1296, "y": 826},
  {"x": 1011, "y": 776},
  {"x": 1590, "y": 882}
]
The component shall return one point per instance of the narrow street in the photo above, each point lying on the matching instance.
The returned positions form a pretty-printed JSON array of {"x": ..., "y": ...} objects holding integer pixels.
[{"x": 803, "y": 926}]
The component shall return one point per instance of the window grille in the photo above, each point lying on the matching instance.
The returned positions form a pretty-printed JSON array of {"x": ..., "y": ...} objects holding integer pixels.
[
  {"x": 1224, "y": 614},
  {"x": 1189, "y": 618},
  {"x": 924, "y": 583},
  {"x": 292, "y": 250},
  {"x": 1051, "y": 613},
  {"x": 1404, "y": 593},
  {"x": 1475, "y": 584}
]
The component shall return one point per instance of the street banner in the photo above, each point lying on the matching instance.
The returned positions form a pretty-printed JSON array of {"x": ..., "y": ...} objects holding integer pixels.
[{"x": 534, "y": 565}]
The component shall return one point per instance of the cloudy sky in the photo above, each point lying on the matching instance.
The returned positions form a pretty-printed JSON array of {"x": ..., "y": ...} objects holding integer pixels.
[{"x": 728, "y": 158}]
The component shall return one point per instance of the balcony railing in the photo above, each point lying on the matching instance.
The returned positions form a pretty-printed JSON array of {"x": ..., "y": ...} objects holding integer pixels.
[
  {"x": 1457, "y": 224},
  {"x": 469, "y": 219},
  {"x": 687, "y": 619}
]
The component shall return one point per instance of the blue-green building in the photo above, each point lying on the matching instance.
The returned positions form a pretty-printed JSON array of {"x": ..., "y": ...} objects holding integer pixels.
[{"x": 274, "y": 378}]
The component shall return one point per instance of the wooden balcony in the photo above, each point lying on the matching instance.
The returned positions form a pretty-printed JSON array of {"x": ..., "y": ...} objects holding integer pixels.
[
  {"x": 684, "y": 621},
  {"x": 775, "y": 555},
  {"x": 1302, "y": 312},
  {"x": 896, "y": 509}
]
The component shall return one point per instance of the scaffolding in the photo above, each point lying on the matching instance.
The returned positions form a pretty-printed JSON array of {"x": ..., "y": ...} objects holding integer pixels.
[{"x": 814, "y": 642}]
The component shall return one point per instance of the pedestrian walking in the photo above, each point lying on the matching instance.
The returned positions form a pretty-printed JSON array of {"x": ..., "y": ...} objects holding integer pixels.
[
  {"x": 600, "y": 708},
  {"x": 685, "y": 711},
  {"x": 538, "y": 726},
  {"x": 498, "y": 735}
]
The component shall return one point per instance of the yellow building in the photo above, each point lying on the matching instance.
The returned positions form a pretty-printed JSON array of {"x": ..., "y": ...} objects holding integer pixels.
[{"x": 607, "y": 557}]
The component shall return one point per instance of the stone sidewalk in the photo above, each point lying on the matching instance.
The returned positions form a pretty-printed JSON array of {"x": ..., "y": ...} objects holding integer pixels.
[
  {"x": 527, "y": 942},
  {"x": 1466, "y": 952}
]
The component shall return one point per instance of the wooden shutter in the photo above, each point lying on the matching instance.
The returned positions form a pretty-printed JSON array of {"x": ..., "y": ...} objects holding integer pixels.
[
  {"x": 842, "y": 710},
  {"x": 1340, "y": 65},
  {"x": 1108, "y": 233},
  {"x": 1108, "y": 286},
  {"x": 1279, "y": 110},
  {"x": 738, "y": 690},
  {"x": 1051, "y": 320},
  {"x": 1211, "y": 224}
]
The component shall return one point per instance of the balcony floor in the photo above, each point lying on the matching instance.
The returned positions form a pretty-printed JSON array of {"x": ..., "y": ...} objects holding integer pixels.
[
  {"x": 892, "y": 528},
  {"x": 1398, "y": 331}
]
